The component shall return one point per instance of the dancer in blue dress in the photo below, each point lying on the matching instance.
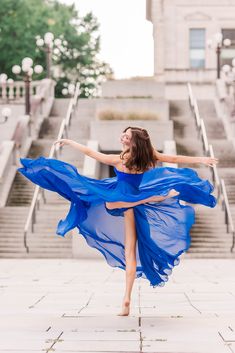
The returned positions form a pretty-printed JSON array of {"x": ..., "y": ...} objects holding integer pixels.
[{"x": 134, "y": 219}]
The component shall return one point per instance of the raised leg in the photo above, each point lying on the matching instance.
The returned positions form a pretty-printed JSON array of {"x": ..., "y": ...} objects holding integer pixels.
[{"x": 130, "y": 257}]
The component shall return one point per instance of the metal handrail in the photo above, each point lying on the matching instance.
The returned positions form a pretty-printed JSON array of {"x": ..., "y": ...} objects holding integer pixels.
[
  {"x": 215, "y": 173},
  {"x": 228, "y": 214},
  {"x": 197, "y": 114},
  {"x": 31, "y": 218},
  {"x": 220, "y": 185},
  {"x": 191, "y": 100},
  {"x": 204, "y": 136}
]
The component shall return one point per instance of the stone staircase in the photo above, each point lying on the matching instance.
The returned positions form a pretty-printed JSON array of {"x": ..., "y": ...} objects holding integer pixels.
[
  {"x": 43, "y": 242},
  {"x": 209, "y": 238}
]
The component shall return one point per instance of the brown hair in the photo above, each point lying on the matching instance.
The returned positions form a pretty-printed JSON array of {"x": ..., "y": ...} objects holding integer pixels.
[{"x": 141, "y": 152}]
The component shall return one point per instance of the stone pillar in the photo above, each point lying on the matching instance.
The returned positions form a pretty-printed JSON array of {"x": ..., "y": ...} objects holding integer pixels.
[{"x": 159, "y": 39}]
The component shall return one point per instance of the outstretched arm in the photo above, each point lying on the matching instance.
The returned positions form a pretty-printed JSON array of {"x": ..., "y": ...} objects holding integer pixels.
[
  {"x": 120, "y": 204},
  {"x": 110, "y": 159},
  {"x": 185, "y": 159}
]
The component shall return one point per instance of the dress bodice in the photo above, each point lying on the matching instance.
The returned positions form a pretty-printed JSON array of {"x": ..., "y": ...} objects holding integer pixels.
[{"x": 134, "y": 179}]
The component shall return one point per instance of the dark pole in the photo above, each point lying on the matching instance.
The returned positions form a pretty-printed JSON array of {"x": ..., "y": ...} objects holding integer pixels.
[
  {"x": 27, "y": 80},
  {"x": 5, "y": 119},
  {"x": 233, "y": 110},
  {"x": 48, "y": 59},
  {"x": 218, "y": 51}
]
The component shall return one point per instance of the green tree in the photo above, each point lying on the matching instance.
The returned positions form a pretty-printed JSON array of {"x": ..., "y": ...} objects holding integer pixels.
[{"x": 21, "y": 21}]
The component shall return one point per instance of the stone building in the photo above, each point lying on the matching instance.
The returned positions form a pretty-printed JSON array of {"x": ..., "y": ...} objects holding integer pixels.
[{"x": 181, "y": 31}]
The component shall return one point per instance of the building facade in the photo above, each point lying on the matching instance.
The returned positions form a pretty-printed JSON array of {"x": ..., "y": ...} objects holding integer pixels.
[{"x": 182, "y": 32}]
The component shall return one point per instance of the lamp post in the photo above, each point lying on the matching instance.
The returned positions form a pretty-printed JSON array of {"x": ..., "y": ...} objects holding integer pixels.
[
  {"x": 69, "y": 89},
  {"x": 229, "y": 72},
  {"x": 50, "y": 46},
  {"x": 5, "y": 113},
  {"x": 217, "y": 44},
  {"x": 27, "y": 69}
]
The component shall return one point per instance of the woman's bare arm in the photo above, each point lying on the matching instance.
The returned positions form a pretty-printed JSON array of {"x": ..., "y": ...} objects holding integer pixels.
[
  {"x": 110, "y": 159},
  {"x": 185, "y": 159},
  {"x": 155, "y": 198}
]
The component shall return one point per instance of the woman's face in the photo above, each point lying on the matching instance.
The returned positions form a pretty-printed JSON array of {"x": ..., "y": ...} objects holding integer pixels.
[{"x": 125, "y": 137}]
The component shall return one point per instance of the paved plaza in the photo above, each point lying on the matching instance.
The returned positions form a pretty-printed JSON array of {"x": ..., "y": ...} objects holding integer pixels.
[{"x": 71, "y": 306}]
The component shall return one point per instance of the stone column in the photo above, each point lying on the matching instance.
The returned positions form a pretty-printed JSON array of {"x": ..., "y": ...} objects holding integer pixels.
[{"x": 159, "y": 38}]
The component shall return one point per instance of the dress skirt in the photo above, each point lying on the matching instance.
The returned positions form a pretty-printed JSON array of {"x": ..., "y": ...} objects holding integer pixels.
[{"x": 162, "y": 228}]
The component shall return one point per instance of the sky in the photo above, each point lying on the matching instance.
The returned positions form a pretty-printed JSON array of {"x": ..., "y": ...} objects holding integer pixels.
[{"x": 126, "y": 36}]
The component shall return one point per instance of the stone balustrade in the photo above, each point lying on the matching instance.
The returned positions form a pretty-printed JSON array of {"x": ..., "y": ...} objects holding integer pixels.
[
  {"x": 16, "y": 90},
  {"x": 19, "y": 131}
]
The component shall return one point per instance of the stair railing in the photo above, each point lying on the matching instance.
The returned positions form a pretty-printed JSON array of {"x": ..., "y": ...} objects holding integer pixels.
[
  {"x": 228, "y": 214},
  {"x": 208, "y": 150},
  {"x": 39, "y": 192}
]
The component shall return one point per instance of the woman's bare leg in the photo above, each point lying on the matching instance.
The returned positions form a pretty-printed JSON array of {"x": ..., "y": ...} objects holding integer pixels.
[{"x": 130, "y": 257}]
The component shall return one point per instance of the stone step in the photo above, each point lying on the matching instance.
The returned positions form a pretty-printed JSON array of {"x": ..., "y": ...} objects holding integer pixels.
[
  {"x": 50, "y": 126},
  {"x": 205, "y": 255},
  {"x": 210, "y": 240},
  {"x": 207, "y": 108},
  {"x": 210, "y": 245},
  {"x": 186, "y": 126},
  {"x": 214, "y": 250},
  {"x": 179, "y": 108},
  {"x": 197, "y": 228},
  {"x": 35, "y": 255},
  {"x": 49, "y": 248},
  {"x": 212, "y": 235},
  {"x": 19, "y": 235}
]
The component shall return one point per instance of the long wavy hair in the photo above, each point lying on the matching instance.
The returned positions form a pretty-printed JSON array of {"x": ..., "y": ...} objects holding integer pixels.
[{"x": 141, "y": 155}]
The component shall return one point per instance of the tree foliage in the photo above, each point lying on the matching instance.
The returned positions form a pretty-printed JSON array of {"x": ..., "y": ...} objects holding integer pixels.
[{"x": 21, "y": 21}]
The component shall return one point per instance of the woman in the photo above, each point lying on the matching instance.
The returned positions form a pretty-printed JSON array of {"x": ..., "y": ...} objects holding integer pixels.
[{"x": 138, "y": 206}]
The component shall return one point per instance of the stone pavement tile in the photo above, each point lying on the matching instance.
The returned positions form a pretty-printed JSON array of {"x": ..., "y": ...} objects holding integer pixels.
[
  {"x": 185, "y": 310},
  {"x": 80, "y": 297},
  {"x": 183, "y": 347},
  {"x": 232, "y": 346},
  {"x": 183, "y": 328},
  {"x": 96, "y": 323},
  {"x": 211, "y": 296},
  {"x": 102, "y": 335},
  {"x": 183, "y": 334},
  {"x": 24, "y": 344},
  {"x": 227, "y": 333},
  {"x": 98, "y": 346},
  {"x": 107, "y": 310},
  {"x": 12, "y": 319}
]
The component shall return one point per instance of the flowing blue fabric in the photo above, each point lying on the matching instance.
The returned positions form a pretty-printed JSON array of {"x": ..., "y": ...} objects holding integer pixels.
[{"x": 162, "y": 228}]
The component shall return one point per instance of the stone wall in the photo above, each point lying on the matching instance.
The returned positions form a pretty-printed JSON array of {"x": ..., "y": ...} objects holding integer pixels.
[
  {"x": 139, "y": 87},
  {"x": 108, "y": 132},
  {"x": 172, "y": 20}
]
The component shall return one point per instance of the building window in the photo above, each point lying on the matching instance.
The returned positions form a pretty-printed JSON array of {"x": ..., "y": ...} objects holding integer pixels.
[
  {"x": 228, "y": 53},
  {"x": 197, "y": 48}
]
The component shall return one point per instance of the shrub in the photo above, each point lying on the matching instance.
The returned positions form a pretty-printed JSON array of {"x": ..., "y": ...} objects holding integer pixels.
[{"x": 132, "y": 115}]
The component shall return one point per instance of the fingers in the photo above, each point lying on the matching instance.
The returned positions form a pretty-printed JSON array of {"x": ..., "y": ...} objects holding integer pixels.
[
  {"x": 212, "y": 161},
  {"x": 60, "y": 142}
]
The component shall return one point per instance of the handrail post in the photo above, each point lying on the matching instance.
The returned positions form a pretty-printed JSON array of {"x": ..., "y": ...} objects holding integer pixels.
[{"x": 31, "y": 219}]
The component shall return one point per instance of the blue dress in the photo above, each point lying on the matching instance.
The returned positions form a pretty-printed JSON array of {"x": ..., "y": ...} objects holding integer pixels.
[{"x": 162, "y": 228}]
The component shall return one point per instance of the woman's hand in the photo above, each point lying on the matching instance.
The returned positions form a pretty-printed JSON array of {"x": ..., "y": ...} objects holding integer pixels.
[
  {"x": 209, "y": 161},
  {"x": 171, "y": 193},
  {"x": 62, "y": 142}
]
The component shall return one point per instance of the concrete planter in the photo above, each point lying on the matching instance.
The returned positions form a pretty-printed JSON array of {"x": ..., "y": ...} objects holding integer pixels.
[{"x": 157, "y": 106}]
